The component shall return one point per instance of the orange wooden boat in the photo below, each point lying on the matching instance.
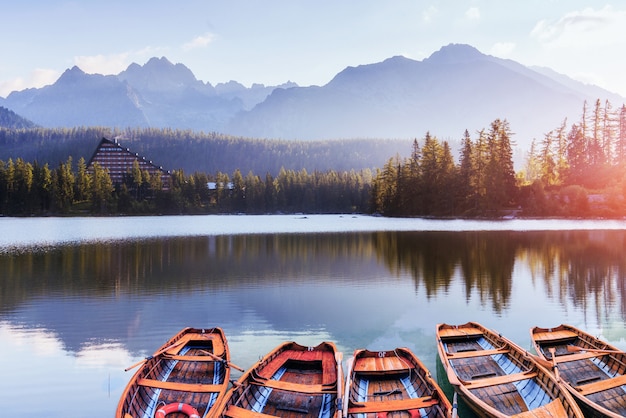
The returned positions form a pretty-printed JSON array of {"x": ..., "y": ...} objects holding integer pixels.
[
  {"x": 187, "y": 376},
  {"x": 292, "y": 381},
  {"x": 592, "y": 370},
  {"x": 392, "y": 384},
  {"x": 498, "y": 379}
]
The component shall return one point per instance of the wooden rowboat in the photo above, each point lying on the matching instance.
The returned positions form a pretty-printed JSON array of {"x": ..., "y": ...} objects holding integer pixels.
[
  {"x": 496, "y": 378},
  {"x": 291, "y": 381},
  {"x": 592, "y": 370},
  {"x": 187, "y": 376},
  {"x": 392, "y": 384}
]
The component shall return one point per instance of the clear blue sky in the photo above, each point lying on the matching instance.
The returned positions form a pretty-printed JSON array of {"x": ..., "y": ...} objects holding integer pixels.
[{"x": 305, "y": 41}]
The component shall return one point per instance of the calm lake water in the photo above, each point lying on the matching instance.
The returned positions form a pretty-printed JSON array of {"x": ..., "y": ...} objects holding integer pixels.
[{"x": 83, "y": 298}]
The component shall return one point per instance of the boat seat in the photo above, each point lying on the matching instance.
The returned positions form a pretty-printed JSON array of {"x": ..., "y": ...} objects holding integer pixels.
[
  {"x": 393, "y": 405},
  {"x": 551, "y": 410},
  {"x": 601, "y": 385},
  {"x": 499, "y": 380},
  {"x": 446, "y": 333},
  {"x": 237, "y": 412},
  {"x": 579, "y": 356},
  {"x": 327, "y": 359},
  {"x": 554, "y": 336},
  {"x": 202, "y": 358},
  {"x": 475, "y": 353},
  {"x": 381, "y": 365},
  {"x": 296, "y": 387},
  {"x": 183, "y": 387},
  {"x": 218, "y": 347}
]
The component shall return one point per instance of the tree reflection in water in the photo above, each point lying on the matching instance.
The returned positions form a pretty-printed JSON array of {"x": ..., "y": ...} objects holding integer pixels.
[{"x": 579, "y": 266}]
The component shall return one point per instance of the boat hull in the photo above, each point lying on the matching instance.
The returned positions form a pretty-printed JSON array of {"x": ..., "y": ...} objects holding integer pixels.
[
  {"x": 392, "y": 384},
  {"x": 292, "y": 381},
  {"x": 589, "y": 368},
  {"x": 496, "y": 378},
  {"x": 191, "y": 370}
]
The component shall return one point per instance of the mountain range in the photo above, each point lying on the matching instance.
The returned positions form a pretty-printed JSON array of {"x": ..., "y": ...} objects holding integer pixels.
[{"x": 455, "y": 89}]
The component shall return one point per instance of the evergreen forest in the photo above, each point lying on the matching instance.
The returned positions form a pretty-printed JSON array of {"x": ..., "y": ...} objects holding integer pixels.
[
  {"x": 576, "y": 170},
  {"x": 199, "y": 151}
]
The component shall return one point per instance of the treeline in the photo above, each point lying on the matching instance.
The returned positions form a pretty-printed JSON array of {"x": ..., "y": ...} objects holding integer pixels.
[
  {"x": 34, "y": 189},
  {"x": 580, "y": 169},
  {"x": 591, "y": 153},
  {"x": 576, "y": 171},
  {"x": 430, "y": 183},
  {"x": 192, "y": 151}
]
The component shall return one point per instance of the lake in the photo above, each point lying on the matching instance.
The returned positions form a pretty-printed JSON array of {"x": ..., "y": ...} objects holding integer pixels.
[{"x": 84, "y": 298}]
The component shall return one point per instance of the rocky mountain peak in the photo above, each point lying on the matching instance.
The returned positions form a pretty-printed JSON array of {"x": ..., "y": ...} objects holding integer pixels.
[
  {"x": 456, "y": 54},
  {"x": 159, "y": 74},
  {"x": 71, "y": 75}
]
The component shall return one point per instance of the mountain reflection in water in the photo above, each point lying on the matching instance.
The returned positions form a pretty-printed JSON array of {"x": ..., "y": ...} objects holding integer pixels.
[{"x": 96, "y": 308}]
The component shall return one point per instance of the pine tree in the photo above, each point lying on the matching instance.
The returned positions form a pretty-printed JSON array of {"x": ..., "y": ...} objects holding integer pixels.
[
  {"x": 447, "y": 184},
  {"x": 561, "y": 153},
  {"x": 467, "y": 173},
  {"x": 430, "y": 170},
  {"x": 546, "y": 158},
  {"x": 595, "y": 142},
  {"x": 83, "y": 181},
  {"x": 500, "y": 172},
  {"x": 481, "y": 161},
  {"x": 63, "y": 187},
  {"x": 102, "y": 190},
  {"x": 620, "y": 149},
  {"x": 576, "y": 155},
  {"x": 609, "y": 121},
  {"x": 532, "y": 170}
]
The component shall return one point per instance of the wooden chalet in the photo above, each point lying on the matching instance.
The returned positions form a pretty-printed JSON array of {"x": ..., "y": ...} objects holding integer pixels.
[{"x": 119, "y": 163}]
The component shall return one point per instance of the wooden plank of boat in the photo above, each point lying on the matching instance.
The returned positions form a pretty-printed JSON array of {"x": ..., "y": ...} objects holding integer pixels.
[
  {"x": 592, "y": 370},
  {"x": 497, "y": 378},
  {"x": 382, "y": 382},
  {"x": 190, "y": 371},
  {"x": 290, "y": 381}
]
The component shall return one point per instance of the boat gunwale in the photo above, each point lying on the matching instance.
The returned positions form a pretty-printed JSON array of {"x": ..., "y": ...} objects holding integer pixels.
[
  {"x": 169, "y": 351},
  {"x": 580, "y": 396},
  {"x": 480, "y": 407},
  {"x": 252, "y": 377},
  {"x": 414, "y": 364}
]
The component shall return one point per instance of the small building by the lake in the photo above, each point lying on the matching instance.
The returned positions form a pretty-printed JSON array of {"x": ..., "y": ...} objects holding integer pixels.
[{"x": 119, "y": 161}]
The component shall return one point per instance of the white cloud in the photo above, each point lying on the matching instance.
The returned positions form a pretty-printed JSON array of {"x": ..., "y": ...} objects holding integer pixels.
[
  {"x": 91, "y": 64},
  {"x": 583, "y": 28},
  {"x": 38, "y": 78},
  {"x": 502, "y": 49},
  {"x": 115, "y": 63},
  {"x": 473, "y": 13},
  {"x": 428, "y": 14},
  {"x": 199, "y": 42},
  {"x": 103, "y": 64},
  {"x": 587, "y": 45}
]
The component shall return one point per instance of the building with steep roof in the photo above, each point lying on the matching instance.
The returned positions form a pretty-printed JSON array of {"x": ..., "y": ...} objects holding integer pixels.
[{"x": 119, "y": 163}]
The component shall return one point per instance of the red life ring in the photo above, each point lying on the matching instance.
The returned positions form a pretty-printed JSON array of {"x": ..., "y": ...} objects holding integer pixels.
[
  {"x": 415, "y": 413},
  {"x": 186, "y": 409}
]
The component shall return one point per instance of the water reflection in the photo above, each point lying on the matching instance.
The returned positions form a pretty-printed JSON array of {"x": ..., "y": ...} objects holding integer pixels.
[
  {"x": 85, "y": 312},
  {"x": 583, "y": 266}
]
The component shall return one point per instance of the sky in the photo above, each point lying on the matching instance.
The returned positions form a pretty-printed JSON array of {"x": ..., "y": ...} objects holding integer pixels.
[{"x": 304, "y": 41}]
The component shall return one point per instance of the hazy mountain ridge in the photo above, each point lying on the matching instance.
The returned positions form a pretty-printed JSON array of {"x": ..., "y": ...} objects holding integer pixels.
[
  {"x": 454, "y": 89},
  {"x": 11, "y": 120},
  {"x": 158, "y": 94}
]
